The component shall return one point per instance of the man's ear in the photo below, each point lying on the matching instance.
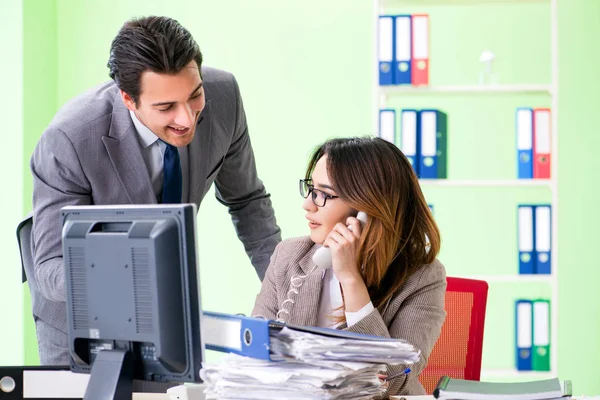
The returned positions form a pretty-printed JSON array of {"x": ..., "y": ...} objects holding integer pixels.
[{"x": 128, "y": 101}]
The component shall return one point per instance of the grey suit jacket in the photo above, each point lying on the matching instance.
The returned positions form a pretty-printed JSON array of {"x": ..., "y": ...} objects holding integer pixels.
[
  {"x": 416, "y": 312},
  {"x": 90, "y": 154}
]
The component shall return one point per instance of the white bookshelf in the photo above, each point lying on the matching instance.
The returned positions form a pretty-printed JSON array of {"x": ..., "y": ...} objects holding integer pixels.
[
  {"x": 467, "y": 89},
  {"x": 487, "y": 183},
  {"x": 456, "y": 2},
  {"x": 513, "y": 278},
  {"x": 493, "y": 374},
  {"x": 380, "y": 96}
]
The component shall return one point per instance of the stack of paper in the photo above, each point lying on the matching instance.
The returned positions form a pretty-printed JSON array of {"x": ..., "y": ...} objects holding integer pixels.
[
  {"x": 309, "y": 365},
  {"x": 239, "y": 377},
  {"x": 312, "y": 347}
]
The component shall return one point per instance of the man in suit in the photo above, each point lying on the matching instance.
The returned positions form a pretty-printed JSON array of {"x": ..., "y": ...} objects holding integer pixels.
[{"x": 162, "y": 131}]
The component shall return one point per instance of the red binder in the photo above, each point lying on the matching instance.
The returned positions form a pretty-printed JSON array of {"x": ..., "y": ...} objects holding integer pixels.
[
  {"x": 542, "y": 133},
  {"x": 420, "y": 50}
]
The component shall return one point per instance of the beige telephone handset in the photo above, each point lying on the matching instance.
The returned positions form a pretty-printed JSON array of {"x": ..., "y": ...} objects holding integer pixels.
[{"x": 322, "y": 256}]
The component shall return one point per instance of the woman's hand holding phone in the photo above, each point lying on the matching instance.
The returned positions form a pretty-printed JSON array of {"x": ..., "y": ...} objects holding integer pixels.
[{"x": 343, "y": 243}]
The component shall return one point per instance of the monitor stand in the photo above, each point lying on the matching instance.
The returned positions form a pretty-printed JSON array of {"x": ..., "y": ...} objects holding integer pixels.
[{"x": 111, "y": 376}]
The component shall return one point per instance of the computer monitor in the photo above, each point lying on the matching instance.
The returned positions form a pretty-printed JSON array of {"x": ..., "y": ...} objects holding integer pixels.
[{"x": 133, "y": 304}]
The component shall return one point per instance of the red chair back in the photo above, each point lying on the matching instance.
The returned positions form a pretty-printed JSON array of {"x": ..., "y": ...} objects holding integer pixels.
[{"x": 457, "y": 353}]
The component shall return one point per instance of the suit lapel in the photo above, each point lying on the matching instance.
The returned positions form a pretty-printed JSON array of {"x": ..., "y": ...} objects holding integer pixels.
[
  {"x": 199, "y": 151},
  {"x": 309, "y": 294},
  {"x": 125, "y": 155}
]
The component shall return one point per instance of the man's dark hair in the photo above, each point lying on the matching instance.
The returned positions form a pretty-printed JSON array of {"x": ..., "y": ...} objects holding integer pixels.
[{"x": 157, "y": 44}]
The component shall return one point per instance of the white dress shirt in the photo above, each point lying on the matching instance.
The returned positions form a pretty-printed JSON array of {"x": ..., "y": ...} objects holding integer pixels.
[
  {"x": 331, "y": 301},
  {"x": 153, "y": 151}
]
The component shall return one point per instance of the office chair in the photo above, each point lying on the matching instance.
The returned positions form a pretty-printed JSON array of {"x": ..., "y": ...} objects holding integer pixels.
[
  {"x": 457, "y": 353},
  {"x": 25, "y": 247}
]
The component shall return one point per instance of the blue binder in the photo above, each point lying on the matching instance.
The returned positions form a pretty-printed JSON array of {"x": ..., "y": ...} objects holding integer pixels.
[
  {"x": 543, "y": 239},
  {"x": 525, "y": 238},
  {"x": 524, "y": 334},
  {"x": 387, "y": 125},
  {"x": 403, "y": 49},
  {"x": 433, "y": 144},
  {"x": 385, "y": 49},
  {"x": 409, "y": 123},
  {"x": 236, "y": 334},
  {"x": 524, "y": 129}
]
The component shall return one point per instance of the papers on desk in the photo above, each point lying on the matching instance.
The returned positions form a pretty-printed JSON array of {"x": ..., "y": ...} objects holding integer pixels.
[
  {"x": 309, "y": 365},
  {"x": 239, "y": 377},
  {"x": 310, "y": 347}
]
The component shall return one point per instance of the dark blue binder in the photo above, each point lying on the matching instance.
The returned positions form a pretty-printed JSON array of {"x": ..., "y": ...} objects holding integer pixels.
[{"x": 524, "y": 334}]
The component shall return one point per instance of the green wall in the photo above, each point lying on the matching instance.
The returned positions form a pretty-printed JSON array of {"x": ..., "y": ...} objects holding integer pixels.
[
  {"x": 579, "y": 102},
  {"x": 11, "y": 199},
  {"x": 305, "y": 71},
  {"x": 40, "y": 53}
]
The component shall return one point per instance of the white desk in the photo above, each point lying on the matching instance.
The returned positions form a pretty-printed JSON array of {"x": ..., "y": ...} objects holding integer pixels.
[
  {"x": 42, "y": 383},
  {"x": 195, "y": 392},
  {"x": 165, "y": 396},
  {"x": 183, "y": 393}
]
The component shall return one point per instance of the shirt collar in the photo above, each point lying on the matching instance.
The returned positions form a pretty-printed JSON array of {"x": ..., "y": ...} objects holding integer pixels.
[{"x": 145, "y": 135}]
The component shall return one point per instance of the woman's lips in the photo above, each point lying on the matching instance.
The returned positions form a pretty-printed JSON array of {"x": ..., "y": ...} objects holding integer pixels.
[{"x": 313, "y": 225}]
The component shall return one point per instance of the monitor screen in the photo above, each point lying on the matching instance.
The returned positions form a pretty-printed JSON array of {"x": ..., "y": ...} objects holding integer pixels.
[{"x": 133, "y": 292}]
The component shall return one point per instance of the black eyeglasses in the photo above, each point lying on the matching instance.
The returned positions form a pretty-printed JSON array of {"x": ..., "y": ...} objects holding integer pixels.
[{"x": 318, "y": 196}]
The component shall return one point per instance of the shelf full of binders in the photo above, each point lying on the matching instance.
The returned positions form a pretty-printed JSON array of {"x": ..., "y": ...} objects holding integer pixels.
[
  {"x": 413, "y": 56},
  {"x": 535, "y": 239},
  {"x": 523, "y": 249},
  {"x": 532, "y": 335},
  {"x": 494, "y": 133},
  {"x": 403, "y": 49},
  {"x": 507, "y": 339},
  {"x": 422, "y": 135}
]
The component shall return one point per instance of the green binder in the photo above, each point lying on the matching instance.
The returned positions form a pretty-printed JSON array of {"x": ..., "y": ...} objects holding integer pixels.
[{"x": 540, "y": 358}]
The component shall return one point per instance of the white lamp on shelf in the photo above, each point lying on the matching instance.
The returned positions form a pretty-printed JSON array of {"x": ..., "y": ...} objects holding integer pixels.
[{"x": 487, "y": 76}]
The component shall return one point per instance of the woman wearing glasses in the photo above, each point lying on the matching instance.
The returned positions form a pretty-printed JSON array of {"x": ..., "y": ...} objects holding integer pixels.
[{"x": 385, "y": 279}]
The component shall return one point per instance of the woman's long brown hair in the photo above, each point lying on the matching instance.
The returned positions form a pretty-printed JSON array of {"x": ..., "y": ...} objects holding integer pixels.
[{"x": 400, "y": 236}]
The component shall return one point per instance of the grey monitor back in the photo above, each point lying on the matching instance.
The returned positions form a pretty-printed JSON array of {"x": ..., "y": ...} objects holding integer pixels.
[{"x": 132, "y": 284}]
